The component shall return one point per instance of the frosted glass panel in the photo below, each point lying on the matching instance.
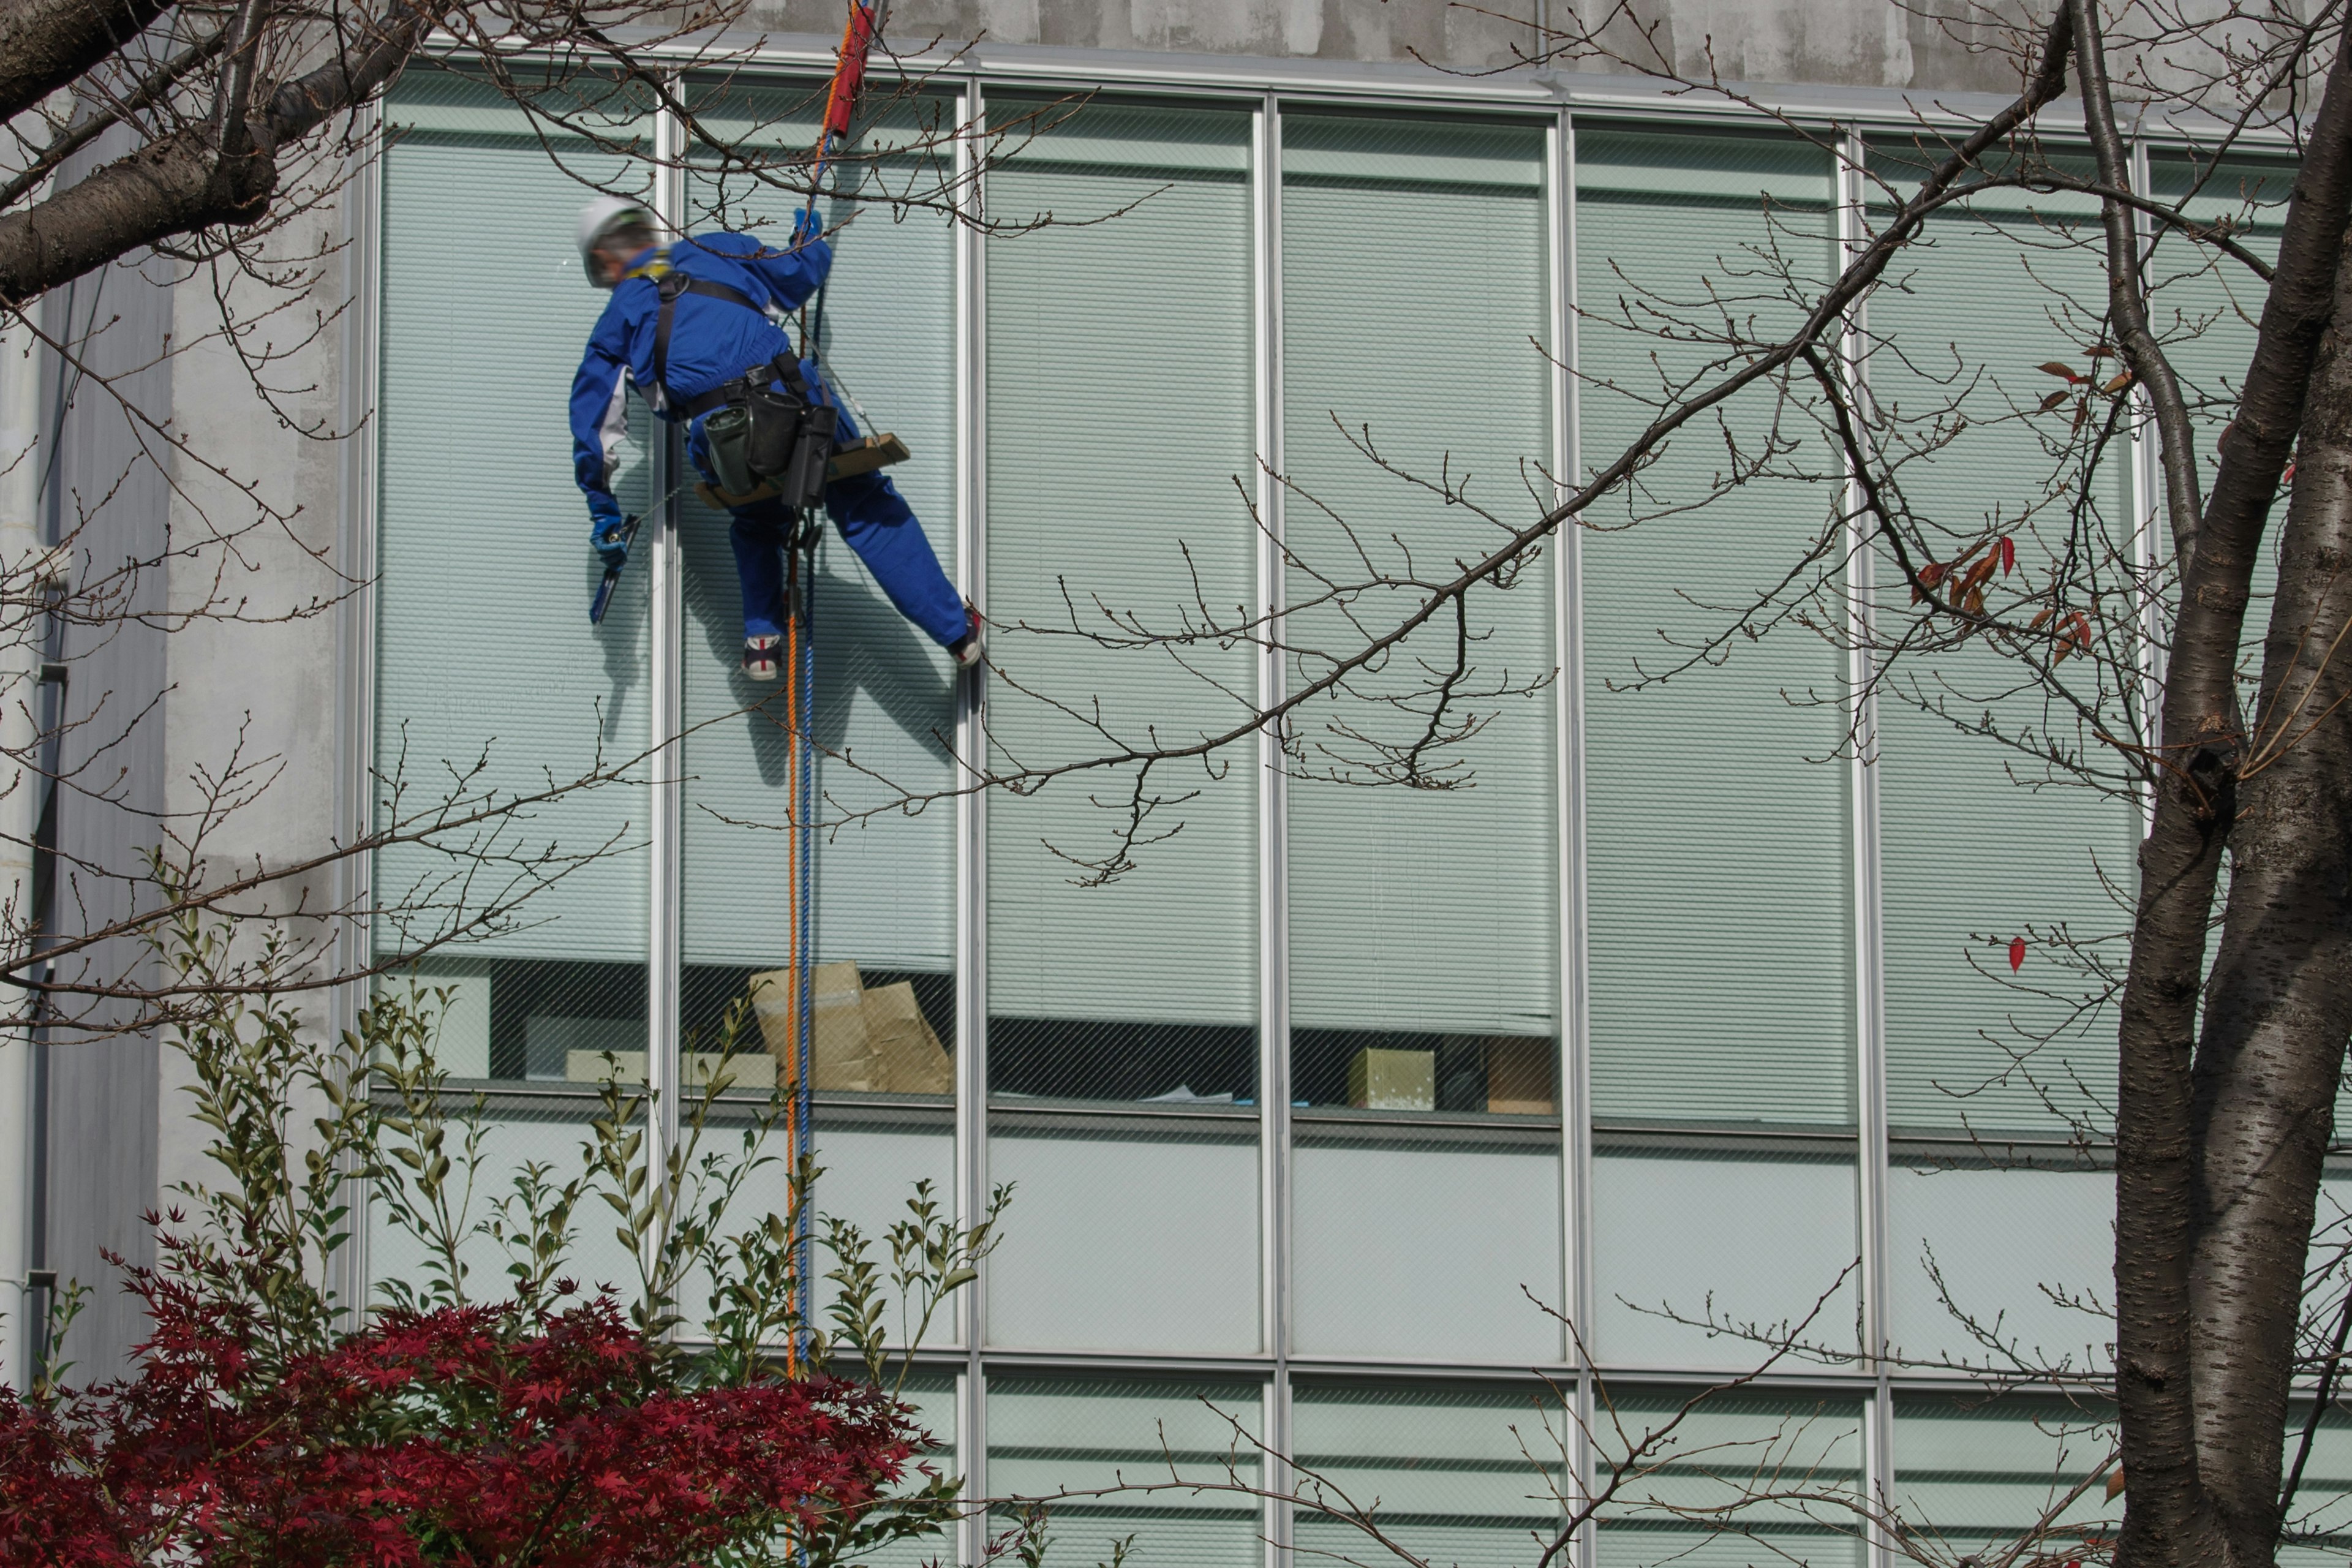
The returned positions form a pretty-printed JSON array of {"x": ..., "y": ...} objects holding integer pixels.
[
  {"x": 1410, "y": 1246},
  {"x": 1120, "y": 409},
  {"x": 1751, "y": 1240},
  {"x": 1978, "y": 1471},
  {"x": 2003, "y": 1239},
  {"x": 1127, "y": 1238},
  {"x": 1466, "y": 1476},
  {"x": 870, "y": 1164},
  {"x": 1047, "y": 1436},
  {"x": 1719, "y": 879},
  {"x": 1740, "y": 1481},
  {"x": 510, "y": 1139}
]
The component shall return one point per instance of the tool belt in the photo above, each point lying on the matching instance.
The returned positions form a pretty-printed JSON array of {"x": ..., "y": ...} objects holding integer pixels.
[{"x": 767, "y": 427}]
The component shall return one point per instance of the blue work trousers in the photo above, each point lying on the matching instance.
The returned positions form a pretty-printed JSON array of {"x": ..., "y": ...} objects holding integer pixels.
[{"x": 874, "y": 520}]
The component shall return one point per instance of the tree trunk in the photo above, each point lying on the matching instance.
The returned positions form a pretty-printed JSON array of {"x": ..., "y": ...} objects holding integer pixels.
[
  {"x": 2279, "y": 1007},
  {"x": 2173, "y": 1518}
]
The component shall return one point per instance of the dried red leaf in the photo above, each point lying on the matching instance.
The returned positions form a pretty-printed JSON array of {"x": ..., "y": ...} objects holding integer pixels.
[
  {"x": 2054, "y": 368},
  {"x": 2016, "y": 956},
  {"x": 2052, "y": 401},
  {"x": 2008, "y": 554}
]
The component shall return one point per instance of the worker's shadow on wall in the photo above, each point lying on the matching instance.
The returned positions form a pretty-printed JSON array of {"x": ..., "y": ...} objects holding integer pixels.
[
  {"x": 621, "y": 638},
  {"x": 863, "y": 646}
]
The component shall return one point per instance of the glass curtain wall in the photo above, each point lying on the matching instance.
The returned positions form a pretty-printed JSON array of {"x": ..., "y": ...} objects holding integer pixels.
[
  {"x": 882, "y": 921},
  {"x": 1718, "y": 806},
  {"x": 1120, "y": 399},
  {"x": 490, "y": 684},
  {"x": 1422, "y": 888},
  {"x": 1122, "y": 974}
]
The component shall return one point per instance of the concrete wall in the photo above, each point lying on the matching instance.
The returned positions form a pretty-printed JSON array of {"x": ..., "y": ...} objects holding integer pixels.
[{"x": 1944, "y": 45}]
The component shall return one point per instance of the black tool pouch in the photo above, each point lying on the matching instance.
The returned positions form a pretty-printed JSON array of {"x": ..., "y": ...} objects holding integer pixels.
[
  {"x": 802, "y": 484},
  {"x": 776, "y": 420}
]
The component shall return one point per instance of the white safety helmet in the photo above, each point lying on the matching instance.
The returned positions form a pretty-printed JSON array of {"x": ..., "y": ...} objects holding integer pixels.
[{"x": 599, "y": 218}]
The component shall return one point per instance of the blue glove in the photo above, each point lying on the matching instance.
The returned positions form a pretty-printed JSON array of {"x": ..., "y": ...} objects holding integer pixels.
[
  {"x": 806, "y": 227},
  {"x": 609, "y": 537}
]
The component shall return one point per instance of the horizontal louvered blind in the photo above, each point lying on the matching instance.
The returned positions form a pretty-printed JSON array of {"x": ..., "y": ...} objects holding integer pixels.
[
  {"x": 1119, "y": 410},
  {"x": 1721, "y": 930},
  {"x": 884, "y": 706},
  {"x": 1414, "y": 275},
  {"x": 486, "y": 668},
  {"x": 1981, "y": 842}
]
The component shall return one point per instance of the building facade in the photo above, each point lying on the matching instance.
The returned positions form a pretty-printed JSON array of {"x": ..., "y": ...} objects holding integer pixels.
[{"x": 1701, "y": 1015}]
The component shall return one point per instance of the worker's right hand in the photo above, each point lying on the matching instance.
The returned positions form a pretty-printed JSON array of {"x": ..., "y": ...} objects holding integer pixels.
[{"x": 608, "y": 536}]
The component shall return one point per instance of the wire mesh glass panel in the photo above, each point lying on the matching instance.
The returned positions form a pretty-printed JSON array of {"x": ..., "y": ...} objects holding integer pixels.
[
  {"x": 1719, "y": 876},
  {"x": 1121, "y": 951},
  {"x": 1708, "y": 1257},
  {"x": 1461, "y": 1477},
  {"x": 1423, "y": 892},
  {"x": 1739, "y": 1481},
  {"x": 883, "y": 715},
  {"x": 1975, "y": 1474},
  {"x": 1134, "y": 1233},
  {"x": 2014, "y": 1248},
  {"x": 1986, "y": 840},
  {"x": 1051, "y": 1436},
  {"x": 506, "y": 1165},
  {"x": 490, "y": 681},
  {"x": 1414, "y": 1241}
]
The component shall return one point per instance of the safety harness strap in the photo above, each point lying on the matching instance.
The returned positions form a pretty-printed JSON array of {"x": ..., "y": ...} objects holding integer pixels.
[{"x": 673, "y": 283}]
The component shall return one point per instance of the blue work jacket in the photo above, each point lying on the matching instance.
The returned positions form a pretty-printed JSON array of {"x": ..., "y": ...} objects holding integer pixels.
[{"x": 710, "y": 342}]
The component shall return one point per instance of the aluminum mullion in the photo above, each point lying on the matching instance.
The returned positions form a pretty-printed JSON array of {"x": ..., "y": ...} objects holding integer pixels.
[
  {"x": 1869, "y": 999},
  {"x": 1273, "y": 865},
  {"x": 2146, "y": 487},
  {"x": 971, "y": 821},
  {"x": 667, "y": 701},
  {"x": 1568, "y": 587},
  {"x": 356, "y": 638}
]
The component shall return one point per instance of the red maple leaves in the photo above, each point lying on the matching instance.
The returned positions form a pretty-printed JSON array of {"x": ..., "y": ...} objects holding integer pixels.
[{"x": 477, "y": 1435}]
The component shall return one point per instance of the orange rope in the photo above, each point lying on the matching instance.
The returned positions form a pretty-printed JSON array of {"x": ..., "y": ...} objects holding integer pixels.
[{"x": 803, "y": 1062}]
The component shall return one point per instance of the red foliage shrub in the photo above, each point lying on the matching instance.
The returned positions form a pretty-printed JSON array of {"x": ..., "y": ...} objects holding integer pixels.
[{"x": 477, "y": 1435}]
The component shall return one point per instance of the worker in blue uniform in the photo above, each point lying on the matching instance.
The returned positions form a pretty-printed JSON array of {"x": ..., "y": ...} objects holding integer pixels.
[{"x": 681, "y": 342}]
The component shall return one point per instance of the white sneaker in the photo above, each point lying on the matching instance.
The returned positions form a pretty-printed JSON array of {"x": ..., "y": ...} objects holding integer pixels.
[
  {"x": 760, "y": 657},
  {"x": 966, "y": 650}
]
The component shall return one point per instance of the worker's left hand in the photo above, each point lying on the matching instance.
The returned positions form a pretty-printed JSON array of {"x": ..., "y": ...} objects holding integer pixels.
[
  {"x": 609, "y": 538},
  {"x": 806, "y": 227}
]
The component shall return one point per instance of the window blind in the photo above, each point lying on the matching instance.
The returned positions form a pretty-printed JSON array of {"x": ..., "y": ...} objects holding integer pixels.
[
  {"x": 885, "y": 707},
  {"x": 1717, "y": 824},
  {"x": 1413, "y": 268},
  {"x": 486, "y": 668},
  {"x": 1978, "y": 841},
  {"x": 1119, "y": 410}
]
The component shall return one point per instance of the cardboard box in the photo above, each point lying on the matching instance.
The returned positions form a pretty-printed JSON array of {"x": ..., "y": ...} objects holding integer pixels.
[
  {"x": 842, "y": 1056},
  {"x": 1521, "y": 1076},
  {"x": 865, "y": 1042},
  {"x": 1393, "y": 1080},
  {"x": 910, "y": 1054}
]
